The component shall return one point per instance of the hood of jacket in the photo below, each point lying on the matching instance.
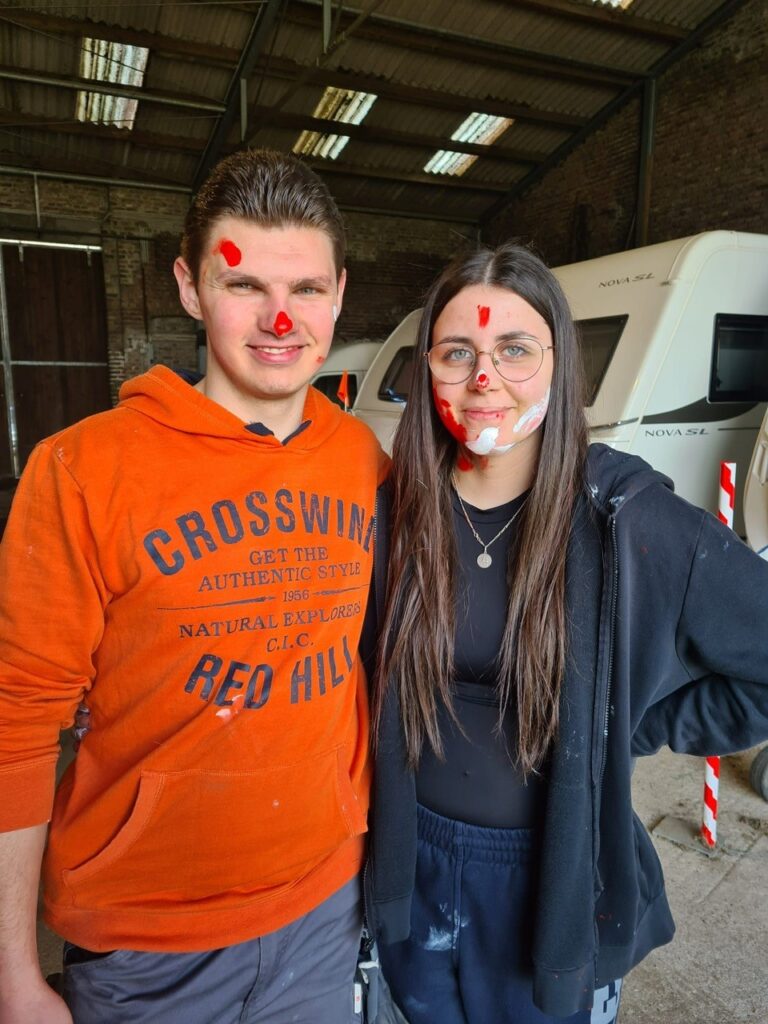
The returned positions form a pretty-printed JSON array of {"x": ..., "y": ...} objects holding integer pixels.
[
  {"x": 614, "y": 478},
  {"x": 167, "y": 398}
]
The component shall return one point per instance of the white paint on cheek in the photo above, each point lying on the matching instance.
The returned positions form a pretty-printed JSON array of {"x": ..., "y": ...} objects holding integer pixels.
[
  {"x": 483, "y": 445},
  {"x": 532, "y": 417},
  {"x": 335, "y": 312}
]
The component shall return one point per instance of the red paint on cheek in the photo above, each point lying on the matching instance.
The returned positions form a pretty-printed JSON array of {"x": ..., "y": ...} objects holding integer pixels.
[
  {"x": 463, "y": 463},
  {"x": 320, "y": 359},
  {"x": 483, "y": 315},
  {"x": 282, "y": 324},
  {"x": 445, "y": 412},
  {"x": 229, "y": 251}
]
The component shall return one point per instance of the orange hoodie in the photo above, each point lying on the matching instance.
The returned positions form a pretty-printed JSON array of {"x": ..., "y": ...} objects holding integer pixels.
[{"x": 203, "y": 585}]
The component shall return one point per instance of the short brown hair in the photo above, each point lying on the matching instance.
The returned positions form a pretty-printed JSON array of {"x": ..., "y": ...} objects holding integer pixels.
[{"x": 265, "y": 187}]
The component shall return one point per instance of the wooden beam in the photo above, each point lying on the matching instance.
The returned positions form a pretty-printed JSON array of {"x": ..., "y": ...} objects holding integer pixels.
[
  {"x": 467, "y": 49},
  {"x": 370, "y": 134},
  {"x": 282, "y": 67}
]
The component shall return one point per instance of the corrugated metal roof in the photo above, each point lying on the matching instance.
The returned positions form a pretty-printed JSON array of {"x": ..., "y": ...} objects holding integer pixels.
[{"x": 551, "y": 68}]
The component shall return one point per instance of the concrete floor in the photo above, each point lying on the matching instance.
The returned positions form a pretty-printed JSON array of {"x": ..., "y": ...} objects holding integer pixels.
[{"x": 715, "y": 970}]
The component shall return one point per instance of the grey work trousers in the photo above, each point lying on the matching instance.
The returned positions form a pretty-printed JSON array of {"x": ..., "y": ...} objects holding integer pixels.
[{"x": 302, "y": 974}]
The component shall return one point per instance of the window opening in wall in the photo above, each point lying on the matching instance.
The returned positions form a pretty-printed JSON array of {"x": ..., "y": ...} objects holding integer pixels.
[
  {"x": 481, "y": 129},
  {"x": 345, "y": 105},
  {"x": 104, "y": 61},
  {"x": 739, "y": 359}
]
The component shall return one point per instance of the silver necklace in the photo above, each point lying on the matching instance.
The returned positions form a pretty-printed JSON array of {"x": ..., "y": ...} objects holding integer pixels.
[{"x": 484, "y": 560}]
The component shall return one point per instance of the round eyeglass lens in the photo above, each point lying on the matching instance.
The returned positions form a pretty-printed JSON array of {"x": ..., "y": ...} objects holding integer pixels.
[{"x": 517, "y": 360}]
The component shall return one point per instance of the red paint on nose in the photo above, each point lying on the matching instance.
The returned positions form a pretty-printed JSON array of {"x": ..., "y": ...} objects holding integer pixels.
[
  {"x": 445, "y": 412},
  {"x": 483, "y": 315},
  {"x": 482, "y": 380},
  {"x": 229, "y": 251},
  {"x": 282, "y": 324}
]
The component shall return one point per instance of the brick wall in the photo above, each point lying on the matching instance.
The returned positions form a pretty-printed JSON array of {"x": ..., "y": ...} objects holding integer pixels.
[
  {"x": 391, "y": 261},
  {"x": 709, "y": 162},
  {"x": 138, "y": 230}
]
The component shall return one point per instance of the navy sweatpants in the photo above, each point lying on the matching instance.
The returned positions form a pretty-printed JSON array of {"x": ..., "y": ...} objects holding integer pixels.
[{"x": 467, "y": 959}]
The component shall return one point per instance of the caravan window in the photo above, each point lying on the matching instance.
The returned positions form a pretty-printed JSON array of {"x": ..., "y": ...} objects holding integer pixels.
[
  {"x": 739, "y": 359},
  {"x": 599, "y": 338},
  {"x": 397, "y": 380},
  {"x": 329, "y": 384}
]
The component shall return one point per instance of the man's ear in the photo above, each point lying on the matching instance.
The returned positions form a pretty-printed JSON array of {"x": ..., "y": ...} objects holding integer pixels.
[
  {"x": 187, "y": 289},
  {"x": 341, "y": 284}
]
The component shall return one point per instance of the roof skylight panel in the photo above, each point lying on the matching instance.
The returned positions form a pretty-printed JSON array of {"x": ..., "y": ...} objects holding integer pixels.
[
  {"x": 120, "y": 63},
  {"x": 477, "y": 128},
  {"x": 345, "y": 105}
]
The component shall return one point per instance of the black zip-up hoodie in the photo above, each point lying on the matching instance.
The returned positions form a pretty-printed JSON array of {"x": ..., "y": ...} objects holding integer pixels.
[{"x": 668, "y": 645}]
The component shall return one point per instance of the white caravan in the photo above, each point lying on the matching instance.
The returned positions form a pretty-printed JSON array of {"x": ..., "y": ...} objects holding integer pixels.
[
  {"x": 354, "y": 358},
  {"x": 675, "y": 340}
]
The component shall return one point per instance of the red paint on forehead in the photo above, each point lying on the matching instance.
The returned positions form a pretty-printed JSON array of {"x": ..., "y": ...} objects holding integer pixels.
[
  {"x": 463, "y": 463},
  {"x": 445, "y": 412},
  {"x": 282, "y": 324},
  {"x": 229, "y": 251},
  {"x": 483, "y": 315}
]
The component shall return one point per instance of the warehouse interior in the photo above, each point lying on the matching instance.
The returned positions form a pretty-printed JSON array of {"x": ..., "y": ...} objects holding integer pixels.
[{"x": 581, "y": 127}]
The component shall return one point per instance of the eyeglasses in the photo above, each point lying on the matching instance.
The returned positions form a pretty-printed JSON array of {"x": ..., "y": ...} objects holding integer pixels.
[{"x": 453, "y": 362}]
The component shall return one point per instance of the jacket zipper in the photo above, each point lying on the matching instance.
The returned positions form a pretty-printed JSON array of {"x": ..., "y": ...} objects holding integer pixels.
[
  {"x": 368, "y": 937},
  {"x": 611, "y": 643}
]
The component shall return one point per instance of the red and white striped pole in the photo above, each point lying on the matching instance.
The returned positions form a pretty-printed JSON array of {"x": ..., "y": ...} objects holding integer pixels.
[{"x": 725, "y": 506}]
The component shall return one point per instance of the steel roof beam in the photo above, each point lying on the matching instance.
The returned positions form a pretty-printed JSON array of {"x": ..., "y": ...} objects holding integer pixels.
[
  {"x": 431, "y": 180},
  {"x": 721, "y": 14},
  {"x": 283, "y": 67},
  {"x": 604, "y": 17},
  {"x": 370, "y": 134},
  {"x": 259, "y": 36},
  {"x": 101, "y": 132},
  {"x": 180, "y": 49},
  {"x": 168, "y": 99},
  {"x": 466, "y": 48}
]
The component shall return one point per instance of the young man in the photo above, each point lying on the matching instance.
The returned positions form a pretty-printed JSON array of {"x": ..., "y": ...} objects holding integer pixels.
[{"x": 194, "y": 566}]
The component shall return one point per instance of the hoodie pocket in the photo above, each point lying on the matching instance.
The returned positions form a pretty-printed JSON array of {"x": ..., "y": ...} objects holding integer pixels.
[{"x": 197, "y": 834}]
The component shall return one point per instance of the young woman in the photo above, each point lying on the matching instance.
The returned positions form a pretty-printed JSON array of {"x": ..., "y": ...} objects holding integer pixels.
[{"x": 553, "y": 611}]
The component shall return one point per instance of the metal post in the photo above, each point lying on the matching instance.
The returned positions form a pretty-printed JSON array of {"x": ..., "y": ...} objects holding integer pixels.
[
  {"x": 10, "y": 401},
  {"x": 645, "y": 169}
]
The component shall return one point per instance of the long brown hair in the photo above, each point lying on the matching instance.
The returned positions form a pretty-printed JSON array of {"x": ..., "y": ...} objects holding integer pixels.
[{"x": 419, "y": 620}]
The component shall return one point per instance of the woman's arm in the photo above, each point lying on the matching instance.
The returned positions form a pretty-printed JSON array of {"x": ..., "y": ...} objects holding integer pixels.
[{"x": 722, "y": 642}]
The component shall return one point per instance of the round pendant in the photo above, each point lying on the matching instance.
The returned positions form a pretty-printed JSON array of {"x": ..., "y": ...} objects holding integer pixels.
[{"x": 484, "y": 560}]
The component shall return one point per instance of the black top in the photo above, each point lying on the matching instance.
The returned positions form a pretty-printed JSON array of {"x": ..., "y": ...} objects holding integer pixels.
[{"x": 478, "y": 782}]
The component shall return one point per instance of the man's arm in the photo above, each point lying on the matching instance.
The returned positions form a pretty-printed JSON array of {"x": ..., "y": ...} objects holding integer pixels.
[{"x": 25, "y": 998}]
